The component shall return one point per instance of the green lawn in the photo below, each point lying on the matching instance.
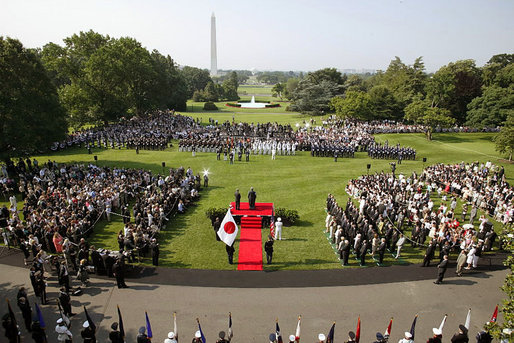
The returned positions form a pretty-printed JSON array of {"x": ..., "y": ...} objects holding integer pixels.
[
  {"x": 254, "y": 90},
  {"x": 197, "y": 107},
  {"x": 295, "y": 182}
]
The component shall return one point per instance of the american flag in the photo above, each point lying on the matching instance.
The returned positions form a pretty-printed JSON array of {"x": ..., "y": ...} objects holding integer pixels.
[{"x": 272, "y": 224}]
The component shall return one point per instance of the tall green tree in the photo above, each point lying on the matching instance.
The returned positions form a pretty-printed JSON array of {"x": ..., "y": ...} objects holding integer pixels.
[
  {"x": 102, "y": 79},
  {"x": 170, "y": 89},
  {"x": 230, "y": 86},
  {"x": 353, "y": 104},
  {"x": 313, "y": 93},
  {"x": 504, "y": 140},
  {"x": 422, "y": 112},
  {"x": 291, "y": 85},
  {"x": 494, "y": 66},
  {"x": 492, "y": 108},
  {"x": 31, "y": 116},
  {"x": 196, "y": 79},
  {"x": 454, "y": 86},
  {"x": 278, "y": 90},
  {"x": 384, "y": 104}
]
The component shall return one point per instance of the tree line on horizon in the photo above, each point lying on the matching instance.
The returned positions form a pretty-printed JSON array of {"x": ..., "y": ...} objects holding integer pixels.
[{"x": 96, "y": 79}]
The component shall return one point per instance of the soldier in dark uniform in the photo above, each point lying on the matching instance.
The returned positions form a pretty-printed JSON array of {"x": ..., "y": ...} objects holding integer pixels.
[
  {"x": 115, "y": 335},
  {"x": 65, "y": 300},
  {"x": 87, "y": 333},
  {"x": 154, "y": 246},
  {"x": 268, "y": 248},
  {"x": 119, "y": 273},
  {"x": 222, "y": 339},
  {"x": 26, "y": 312},
  {"x": 230, "y": 252},
  {"x": 247, "y": 154}
]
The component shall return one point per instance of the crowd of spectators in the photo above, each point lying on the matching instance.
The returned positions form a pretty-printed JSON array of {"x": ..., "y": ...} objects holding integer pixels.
[
  {"x": 62, "y": 204},
  {"x": 152, "y": 132},
  {"x": 387, "y": 206}
]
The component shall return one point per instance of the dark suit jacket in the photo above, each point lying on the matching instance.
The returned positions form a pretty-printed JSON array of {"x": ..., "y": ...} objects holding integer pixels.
[{"x": 441, "y": 268}]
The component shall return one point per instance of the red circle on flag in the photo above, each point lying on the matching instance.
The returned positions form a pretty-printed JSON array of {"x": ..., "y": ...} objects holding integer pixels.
[{"x": 229, "y": 227}]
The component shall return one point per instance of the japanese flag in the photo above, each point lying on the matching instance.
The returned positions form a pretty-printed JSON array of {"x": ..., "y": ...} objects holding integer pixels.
[{"x": 228, "y": 229}]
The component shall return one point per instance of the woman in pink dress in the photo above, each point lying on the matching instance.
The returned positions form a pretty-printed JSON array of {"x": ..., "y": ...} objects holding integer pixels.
[{"x": 58, "y": 240}]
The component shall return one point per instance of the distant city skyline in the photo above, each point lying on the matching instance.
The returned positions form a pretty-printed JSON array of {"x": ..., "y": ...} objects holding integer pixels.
[{"x": 299, "y": 35}]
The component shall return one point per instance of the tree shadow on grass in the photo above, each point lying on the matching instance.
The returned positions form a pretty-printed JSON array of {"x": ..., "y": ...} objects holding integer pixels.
[
  {"x": 303, "y": 223},
  {"x": 452, "y": 138}
]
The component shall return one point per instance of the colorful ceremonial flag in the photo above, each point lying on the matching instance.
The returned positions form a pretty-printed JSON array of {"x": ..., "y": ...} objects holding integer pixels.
[
  {"x": 228, "y": 229},
  {"x": 443, "y": 322},
  {"x": 40, "y": 319},
  {"x": 389, "y": 327},
  {"x": 330, "y": 336},
  {"x": 277, "y": 331},
  {"x": 201, "y": 332},
  {"x": 413, "y": 327},
  {"x": 90, "y": 321},
  {"x": 175, "y": 330},
  {"x": 122, "y": 328},
  {"x": 149, "y": 333},
  {"x": 358, "y": 332},
  {"x": 272, "y": 225},
  {"x": 297, "y": 334},
  {"x": 468, "y": 319},
  {"x": 13, "y": 324},
  {"x": 230, "y": 333},
  {"x": 495, "y": 315}
]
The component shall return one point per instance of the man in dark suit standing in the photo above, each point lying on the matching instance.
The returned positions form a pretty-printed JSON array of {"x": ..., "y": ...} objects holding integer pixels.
[
  {"x": 429, "y": 254},
  {"x": 268, "y": 248},
  {"x": 237, "y": 195},
  {"x": 251, "y": 198},
  {"x": 381, "y": 251},
  {"x": 441, "y": 269}
]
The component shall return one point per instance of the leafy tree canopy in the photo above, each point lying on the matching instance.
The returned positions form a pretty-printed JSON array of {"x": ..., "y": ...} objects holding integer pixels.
[{"x": 31, "y": 115}]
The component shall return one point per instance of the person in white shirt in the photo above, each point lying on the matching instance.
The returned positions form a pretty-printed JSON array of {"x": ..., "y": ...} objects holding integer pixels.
[
  {"x": 63, "y": 333},
  {"x": 399, "y": 245},
  {"x": 407, "y": 339},
  {"x": 278, "y": 229}
]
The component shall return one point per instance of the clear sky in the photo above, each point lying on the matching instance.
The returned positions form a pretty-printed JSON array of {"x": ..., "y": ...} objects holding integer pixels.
[{"x": 280, "y": 34}]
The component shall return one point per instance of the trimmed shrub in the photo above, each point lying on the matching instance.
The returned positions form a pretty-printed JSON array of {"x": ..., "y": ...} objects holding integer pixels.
[
  {"x": 289, "y": 217},
  {"x": 232, "y": 104},
  {"x": 272, "y": 105},
  {"x": 210, "y": 106},
  {"x": 213, "y": 212}
]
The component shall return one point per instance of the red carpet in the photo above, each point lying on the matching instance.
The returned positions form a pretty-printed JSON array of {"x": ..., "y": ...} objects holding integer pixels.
[{"x": 250, "y": 244}]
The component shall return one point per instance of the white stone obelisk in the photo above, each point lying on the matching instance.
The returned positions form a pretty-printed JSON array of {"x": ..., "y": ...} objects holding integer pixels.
[{"x": 214, "y": 58}]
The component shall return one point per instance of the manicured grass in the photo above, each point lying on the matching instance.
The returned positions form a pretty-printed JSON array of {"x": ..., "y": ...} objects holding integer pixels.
[
  {"x": 250, "y": 117},
  {"x": 298, "y": 182},
  {"x": 253, "y": 90},
  {"x": 197, "y": 107}
]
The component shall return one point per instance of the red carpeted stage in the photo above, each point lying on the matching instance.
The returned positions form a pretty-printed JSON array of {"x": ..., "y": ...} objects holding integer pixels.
[
  {"x": 250, "y": 239},
  {"x": 261, "y": 209}
]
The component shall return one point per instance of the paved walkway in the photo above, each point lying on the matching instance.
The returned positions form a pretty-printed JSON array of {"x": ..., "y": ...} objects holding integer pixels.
[{"x": 345, "y": 295}]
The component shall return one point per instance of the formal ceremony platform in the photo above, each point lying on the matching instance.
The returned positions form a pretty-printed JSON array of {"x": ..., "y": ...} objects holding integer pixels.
[{"x": 250, "y": 239}]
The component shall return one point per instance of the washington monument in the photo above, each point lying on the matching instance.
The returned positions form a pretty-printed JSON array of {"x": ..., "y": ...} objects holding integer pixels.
[{"x": 214, "y": 58}]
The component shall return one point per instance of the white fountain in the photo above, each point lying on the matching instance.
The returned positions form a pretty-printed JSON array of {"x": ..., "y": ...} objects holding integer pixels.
[{"x": 253, "y": 104}]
